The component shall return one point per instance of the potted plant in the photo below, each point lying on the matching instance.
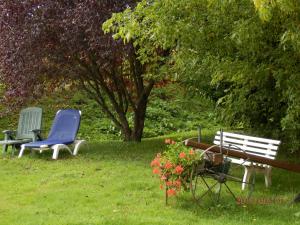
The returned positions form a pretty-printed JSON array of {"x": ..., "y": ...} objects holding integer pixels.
[{"x": 174, "y": 166}]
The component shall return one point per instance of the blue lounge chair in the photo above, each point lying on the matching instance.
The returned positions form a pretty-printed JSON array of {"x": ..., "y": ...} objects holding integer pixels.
[{"x": 62, "y": 134}]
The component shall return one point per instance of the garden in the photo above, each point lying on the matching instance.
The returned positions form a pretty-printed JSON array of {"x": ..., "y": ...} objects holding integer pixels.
[{"x": 175, "y": 108}]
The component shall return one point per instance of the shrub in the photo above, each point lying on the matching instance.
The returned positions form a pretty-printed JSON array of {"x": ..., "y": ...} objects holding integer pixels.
[{"x": 173, "y": 167}]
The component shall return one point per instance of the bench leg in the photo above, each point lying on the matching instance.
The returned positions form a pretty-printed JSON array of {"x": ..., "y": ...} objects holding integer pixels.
[
  {"x": 247, "y": 175},
  {"x": 268, "y": 180}
]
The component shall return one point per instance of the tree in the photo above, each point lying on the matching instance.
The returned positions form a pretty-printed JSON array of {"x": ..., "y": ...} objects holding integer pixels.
[
  {"x": 248, "y": 57},
  {"x": 44, "y": 42}
]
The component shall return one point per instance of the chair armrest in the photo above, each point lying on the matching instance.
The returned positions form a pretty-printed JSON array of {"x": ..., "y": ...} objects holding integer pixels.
[
  {"x": 9, "y": 134},
  {"x": 9, "y": 131},
  {"x": 36, "y": 134},
  {"x": 36, "y": 131}
]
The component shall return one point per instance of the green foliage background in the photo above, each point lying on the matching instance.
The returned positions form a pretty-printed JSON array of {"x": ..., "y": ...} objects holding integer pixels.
[
  {"x": 171, "y": 110},
  {"x": 243, "y": 54}
]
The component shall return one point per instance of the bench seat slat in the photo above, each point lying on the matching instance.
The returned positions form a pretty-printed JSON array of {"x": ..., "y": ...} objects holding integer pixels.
[{"x": 246, "y": 163}]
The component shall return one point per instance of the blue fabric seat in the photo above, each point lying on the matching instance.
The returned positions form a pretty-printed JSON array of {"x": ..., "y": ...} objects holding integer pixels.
[{"x": 63, "y": 132}]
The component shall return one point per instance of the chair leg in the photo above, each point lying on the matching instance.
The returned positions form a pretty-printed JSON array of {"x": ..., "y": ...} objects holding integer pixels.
[
  {"x": 78, "y": 143},
  {"x": 247, "y": 175},
  {"x": 268, "y": 180},
  {"x": 13, "y": 147},
  {"x": 21, "y": 151},
  {"x": 4, "y": 149},
  {"x": 57, "y": 148}
]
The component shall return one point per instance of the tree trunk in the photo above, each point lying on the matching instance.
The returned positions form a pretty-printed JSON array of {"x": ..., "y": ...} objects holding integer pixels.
[
  {"x": 126, "y": 134},
  {"x": 139, "y": 119},
  {"x": 125, "y": 128},
  {"x": 136, "y": 133}
]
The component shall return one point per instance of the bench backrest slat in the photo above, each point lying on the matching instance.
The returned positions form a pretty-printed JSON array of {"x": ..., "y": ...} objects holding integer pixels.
[
  {"x": 255, "y": 151},
  {"x": 245, "y": 142},
  {"x": 253, "y": 145}
]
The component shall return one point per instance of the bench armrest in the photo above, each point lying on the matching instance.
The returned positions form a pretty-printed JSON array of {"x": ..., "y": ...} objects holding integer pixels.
[
  {"x": 37, "y": 134},
  {"x": 9, "y": 134}
]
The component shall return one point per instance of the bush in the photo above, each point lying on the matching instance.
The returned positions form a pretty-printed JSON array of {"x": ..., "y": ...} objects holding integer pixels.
[{"x": 174, "y": 166}]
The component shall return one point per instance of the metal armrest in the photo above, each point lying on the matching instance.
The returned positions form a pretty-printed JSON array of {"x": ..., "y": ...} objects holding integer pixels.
[
  {"x": 37, "y": 134},
  {"x": 9, "y": 134}
]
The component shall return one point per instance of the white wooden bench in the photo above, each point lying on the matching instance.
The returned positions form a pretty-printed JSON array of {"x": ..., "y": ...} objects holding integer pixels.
[{"x": 252, "y": 145}]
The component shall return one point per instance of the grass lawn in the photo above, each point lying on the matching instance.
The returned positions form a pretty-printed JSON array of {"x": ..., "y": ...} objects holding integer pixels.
[{"x": 111, "y": 183}]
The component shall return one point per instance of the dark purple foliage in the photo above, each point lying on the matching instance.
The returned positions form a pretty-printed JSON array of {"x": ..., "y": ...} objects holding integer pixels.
[{"x": 44, "y": 41}]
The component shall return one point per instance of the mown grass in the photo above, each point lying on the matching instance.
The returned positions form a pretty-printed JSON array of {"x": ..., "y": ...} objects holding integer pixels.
[{"x": 111, "y": 183}]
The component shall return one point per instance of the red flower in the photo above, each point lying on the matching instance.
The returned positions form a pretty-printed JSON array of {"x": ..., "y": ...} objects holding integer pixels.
[
  {"x": 169, "y": 183},
  {"x": 171, "y": 192},
  {"x": 182, "y": 155},
  {"x": 178, "y": 169},
  {"x": 163, "y": 177},
  {"x": 168, "y": 165},
  {"x": 156, "y": 171},
  {"x": 177, "y": 183},
  {"x": 161, "y": 186},
  {"x": 169, "y": 141},
  {"x": 192, "y": 152},
  {"x": 155, "y": 162}
]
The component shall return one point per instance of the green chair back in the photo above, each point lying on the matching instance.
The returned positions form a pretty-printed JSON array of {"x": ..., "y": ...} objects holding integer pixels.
[{"x": 30, "y": 119}]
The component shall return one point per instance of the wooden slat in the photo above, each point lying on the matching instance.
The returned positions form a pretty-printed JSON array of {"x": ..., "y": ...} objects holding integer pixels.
[
  {"x": 241, "y": 136},
  {"x": 248, "y": 143},
  {"x": 250, "y": 149},
  {"x": 246, "y": 163},
  {"x": 256, "y": 146}
]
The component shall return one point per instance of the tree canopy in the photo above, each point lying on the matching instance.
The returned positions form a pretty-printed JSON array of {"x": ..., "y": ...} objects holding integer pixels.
[
  {"x": 244, "y": 54},
  {"x": 53, "y": 42},
  {"x": 247, "y": 52}
]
